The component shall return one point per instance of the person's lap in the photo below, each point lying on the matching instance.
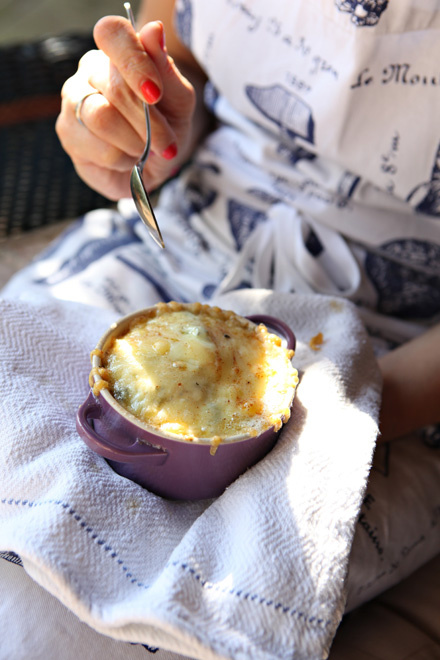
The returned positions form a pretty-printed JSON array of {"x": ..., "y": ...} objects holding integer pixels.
[{"x": 375, "y": 629}]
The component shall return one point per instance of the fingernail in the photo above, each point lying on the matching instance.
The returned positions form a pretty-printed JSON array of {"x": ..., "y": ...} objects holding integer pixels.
[
  {"x": 162, "y": 36},
  {"x": 170, "y": 152},
  {"x": 150, "y": 91}
]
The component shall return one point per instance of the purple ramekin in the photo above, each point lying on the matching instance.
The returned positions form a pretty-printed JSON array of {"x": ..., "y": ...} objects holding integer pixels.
[{"x": 171, "y": 467}]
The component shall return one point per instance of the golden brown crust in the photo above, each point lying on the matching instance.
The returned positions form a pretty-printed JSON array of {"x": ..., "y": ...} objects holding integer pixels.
[
  {"x": 97, "y": 352},
  {"x": 215, "y": 442},
  {"x": 316, "y": 342},
  {"x": 99, "y": 386},
  {"x": 198, "y": 371}
]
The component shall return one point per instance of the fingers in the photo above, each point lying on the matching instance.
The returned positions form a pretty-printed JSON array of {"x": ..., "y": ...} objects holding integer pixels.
[
  {"x": 106, "y": 78},
  {"x": 110, "y": 183},
  {"x": 104, "y": 135},
  {"x": 129, "y": 69},
  {"x": 142, "y": 63},
  {"x": 116, "y": 37},
  {"x": 97, "y": 71}
]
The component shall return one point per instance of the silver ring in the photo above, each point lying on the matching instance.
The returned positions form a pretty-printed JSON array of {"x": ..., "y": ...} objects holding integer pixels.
[{"x": 79, "y": 106}]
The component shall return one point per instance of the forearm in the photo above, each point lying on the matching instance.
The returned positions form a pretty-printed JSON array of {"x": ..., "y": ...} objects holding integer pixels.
[{"x": 411, "y": 386}]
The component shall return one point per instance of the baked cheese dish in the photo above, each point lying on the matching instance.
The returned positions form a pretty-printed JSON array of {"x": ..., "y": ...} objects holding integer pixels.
[{"x": 199, "y": 372}]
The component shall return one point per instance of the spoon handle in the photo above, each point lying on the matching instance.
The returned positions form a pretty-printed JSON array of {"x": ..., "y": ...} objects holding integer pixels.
[{"x": 143, "y": 158}]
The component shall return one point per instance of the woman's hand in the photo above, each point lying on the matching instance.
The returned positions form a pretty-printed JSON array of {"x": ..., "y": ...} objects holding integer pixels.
[
  {"x": 128, "y": 69},
  {"x": 411, "y": 386}
]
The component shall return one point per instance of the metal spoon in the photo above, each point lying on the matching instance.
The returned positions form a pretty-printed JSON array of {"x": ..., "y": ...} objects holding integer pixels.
[{"x": 139, "y": 194}]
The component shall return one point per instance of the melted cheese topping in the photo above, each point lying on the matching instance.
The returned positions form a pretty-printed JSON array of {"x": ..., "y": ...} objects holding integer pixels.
[{"x": 201, "y": 372}]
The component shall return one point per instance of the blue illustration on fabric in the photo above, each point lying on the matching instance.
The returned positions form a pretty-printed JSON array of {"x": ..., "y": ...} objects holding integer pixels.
[
  {"x": 243, "y": 284},
  {"x": 263, "y": 196},
  {"x": 313, "y": 244},
  {"x": 286, "y": 109},
  {"x": 52, "y": 248},
  {"x": 406, "y": 275},
  {"x": 11, "y": 557},
  {"x": 426, "y": 196},
  {"x": 210, "y": 96},
  {"x": 183, "y": 20},
  {"x": 114, "y": 224},
  {"x": 86, "y": 255},
  {"x": 209, "y": 290},
  {"x": 364, "y": 13},
  {"x": 346, "y": 186},
  {"x": 198, "y": 195},
  {"x": 295, "y": 154},
  {"x": 150, "y": 649},
  {"x": 243, "y": 220},
  {"x": 163, "y": 293}
]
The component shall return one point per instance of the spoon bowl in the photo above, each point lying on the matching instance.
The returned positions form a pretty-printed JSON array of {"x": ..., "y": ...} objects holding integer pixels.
[{"x": 143, "y": 205}]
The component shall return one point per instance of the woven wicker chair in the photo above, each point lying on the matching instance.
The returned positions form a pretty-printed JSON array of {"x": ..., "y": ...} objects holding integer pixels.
[{"x": 38, "y": 183}]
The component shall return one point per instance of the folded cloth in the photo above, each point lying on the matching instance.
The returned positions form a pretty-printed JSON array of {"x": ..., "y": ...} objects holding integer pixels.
[{"x": 256, "y": 573}]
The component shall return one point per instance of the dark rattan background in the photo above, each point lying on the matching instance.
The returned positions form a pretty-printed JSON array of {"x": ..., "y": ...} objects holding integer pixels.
[{"x": 38, "y": 183}]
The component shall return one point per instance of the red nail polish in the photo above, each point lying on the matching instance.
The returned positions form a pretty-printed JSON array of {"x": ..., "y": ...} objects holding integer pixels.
[
  {"x": 170, "y": 152},
  {"x": 150, "y": 91}
]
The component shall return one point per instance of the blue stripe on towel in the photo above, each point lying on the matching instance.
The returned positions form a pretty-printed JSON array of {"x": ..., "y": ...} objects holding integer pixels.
[{"x": 12, "y": 557}]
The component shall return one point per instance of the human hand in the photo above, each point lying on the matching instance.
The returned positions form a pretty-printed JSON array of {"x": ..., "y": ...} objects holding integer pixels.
[
  {"x": 128, "y": 69},
  {"x": 411, "y": 386}
]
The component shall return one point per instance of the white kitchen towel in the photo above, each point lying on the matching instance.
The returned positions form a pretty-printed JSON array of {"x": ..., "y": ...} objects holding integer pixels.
[{"x": 256, "y": 573}]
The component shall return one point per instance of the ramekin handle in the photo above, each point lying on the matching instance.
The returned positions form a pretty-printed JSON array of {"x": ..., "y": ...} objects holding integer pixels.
[{"x": 105, "y": 446}]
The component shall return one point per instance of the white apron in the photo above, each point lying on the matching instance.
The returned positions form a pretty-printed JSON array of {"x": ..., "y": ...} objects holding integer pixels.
[{"x": 322, "y": 175}]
